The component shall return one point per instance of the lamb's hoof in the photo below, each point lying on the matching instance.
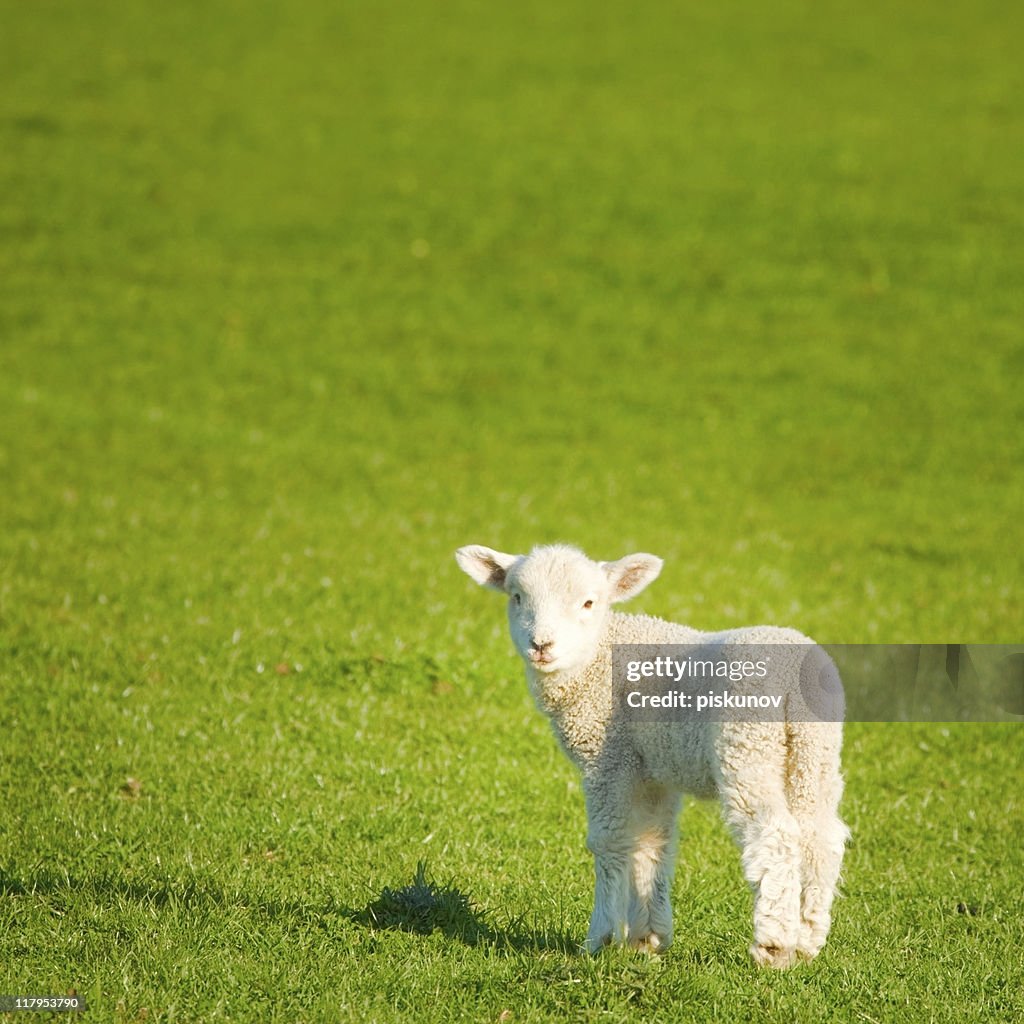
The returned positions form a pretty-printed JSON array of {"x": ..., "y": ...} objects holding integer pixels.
[
  {"x": 593, "y": 946},
  {"x": 810, "y": 943},
  {"x": 651, "y": 944},
  {"x": 776, "y": 957}
]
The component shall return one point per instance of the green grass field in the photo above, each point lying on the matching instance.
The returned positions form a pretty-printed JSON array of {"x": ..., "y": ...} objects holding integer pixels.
[{"x": 296, "y": 299}]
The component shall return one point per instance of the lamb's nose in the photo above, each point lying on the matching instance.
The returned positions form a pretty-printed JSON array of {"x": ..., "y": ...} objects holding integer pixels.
[{"x": 540, "y": 646}]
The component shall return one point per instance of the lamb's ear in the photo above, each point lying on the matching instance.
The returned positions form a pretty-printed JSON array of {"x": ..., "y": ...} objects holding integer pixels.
[
  {"x": 629, "y": 575},
  {"x": 484, "y": 565}
]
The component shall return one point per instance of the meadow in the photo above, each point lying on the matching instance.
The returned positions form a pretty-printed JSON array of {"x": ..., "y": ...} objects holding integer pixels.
[{"x": 295, "y": 300}]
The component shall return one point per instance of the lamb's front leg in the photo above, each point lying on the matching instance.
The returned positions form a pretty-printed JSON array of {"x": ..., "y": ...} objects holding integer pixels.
[
  {"x": 610, "y": 841},
  {"x": 609, "y": 922},
  {"x": 655, "y": 810}
]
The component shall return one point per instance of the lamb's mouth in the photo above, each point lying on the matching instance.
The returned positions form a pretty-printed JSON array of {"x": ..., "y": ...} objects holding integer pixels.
[{"x": 541, "y": 660}]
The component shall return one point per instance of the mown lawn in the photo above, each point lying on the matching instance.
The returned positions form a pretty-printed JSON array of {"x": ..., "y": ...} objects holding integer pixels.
[{"x": 296, "y": 299}]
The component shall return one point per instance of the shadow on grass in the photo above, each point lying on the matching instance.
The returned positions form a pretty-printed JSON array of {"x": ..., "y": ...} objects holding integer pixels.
[
  {"x": 421, "y": 907},
  {"x": 425, "y": 907}
]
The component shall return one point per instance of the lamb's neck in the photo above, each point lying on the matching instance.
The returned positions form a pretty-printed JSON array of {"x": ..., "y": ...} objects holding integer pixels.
[{"x": 578, "y": 703}]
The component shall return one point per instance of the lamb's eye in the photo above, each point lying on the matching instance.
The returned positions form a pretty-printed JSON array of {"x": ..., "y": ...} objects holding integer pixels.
[
  {"x": 518, "y": 598},
  {"x": 588, "y": 603}
]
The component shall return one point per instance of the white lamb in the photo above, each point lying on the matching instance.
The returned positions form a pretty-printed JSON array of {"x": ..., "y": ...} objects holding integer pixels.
[{"x": 779, "y": 782}]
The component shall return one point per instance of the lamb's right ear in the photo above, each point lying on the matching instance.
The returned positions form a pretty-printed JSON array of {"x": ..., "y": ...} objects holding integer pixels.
[{"x": 486, "y": 566}]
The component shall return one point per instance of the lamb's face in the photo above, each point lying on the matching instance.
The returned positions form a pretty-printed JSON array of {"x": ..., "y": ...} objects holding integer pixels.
[
  {"x": 557, "y": 604},
  {"x": 558, "y": 599}
]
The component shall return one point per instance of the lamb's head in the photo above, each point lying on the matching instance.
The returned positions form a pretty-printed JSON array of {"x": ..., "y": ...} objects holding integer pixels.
[{"x": 558, "y": 599}]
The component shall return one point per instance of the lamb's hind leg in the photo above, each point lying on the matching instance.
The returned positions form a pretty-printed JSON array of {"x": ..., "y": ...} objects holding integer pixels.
[
  {"x": 653, "y": 825},
  {"x": 752, "y": 783},
  {"x": 814, "y": 788}
]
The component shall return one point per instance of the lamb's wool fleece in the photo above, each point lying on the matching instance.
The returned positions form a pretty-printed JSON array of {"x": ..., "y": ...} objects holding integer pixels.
[{"x": 779, "y": 782}]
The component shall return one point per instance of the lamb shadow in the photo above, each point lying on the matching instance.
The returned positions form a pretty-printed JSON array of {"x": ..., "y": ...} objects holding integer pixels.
[{"x": 424, "y": 907}]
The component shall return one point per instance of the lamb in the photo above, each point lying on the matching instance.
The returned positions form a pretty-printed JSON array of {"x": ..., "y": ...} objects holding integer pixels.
[{"x": 779, "y": 781}]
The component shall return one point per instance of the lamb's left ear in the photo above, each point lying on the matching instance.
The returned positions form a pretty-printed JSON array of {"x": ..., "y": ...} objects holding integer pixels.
[
  {"x": 485, "y": 565},
  {"x": 629, "y": 575}
]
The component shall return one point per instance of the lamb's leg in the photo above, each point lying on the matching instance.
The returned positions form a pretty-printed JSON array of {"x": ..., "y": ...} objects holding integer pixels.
[
  {"x": 608, "y": 922},
  {"x": 655, "y": 811},
  {"x": 752, "y": 783},
  {"x": 814, "y": 788},
  {"x": 609, "y": 840}
]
